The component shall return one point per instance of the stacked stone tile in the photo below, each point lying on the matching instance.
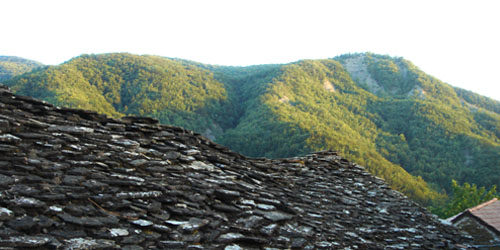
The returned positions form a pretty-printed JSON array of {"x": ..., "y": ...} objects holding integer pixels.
[{"x": 75, "y": 179}]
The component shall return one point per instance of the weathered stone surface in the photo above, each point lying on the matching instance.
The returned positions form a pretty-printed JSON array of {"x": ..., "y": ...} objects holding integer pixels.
[
  {"x": 142, "y": 223},
  {"x": 71, "y": 129},
  {"x": 6, "y": 214},
  {"x": 138, "y": 195},
  {"x": 24, "y": 241},
  {"x": 198, "y": 165},
  {"x": 132, "y": 247},
  {"x": 82, "y": 243},
  {"x": 133, "y": 239},
  {"x": 269, "y": 229},
  {"x": 22, "y": 223},
  {"x": 9, "y": 138},
  {"x": 118, "y": 232},
  {"x": 250, "y": 222},
  {"x": 231, "y": 237},
  {"x": 74, "y": 179},
  {"x": 126, "y": 143},
  {"x": 5, "y": 180},
  {"x": 227, "y": 194},
  {"x": 193, "y": 224},
  {"x": 27, "y": 202},
  {"x": 170, "y": 244},
  {"x": 233, "y": 247},
  {"x": 84, "y": 221},
  {"x": 138, "y": 162},
  {"x": 277, "y": 216}
]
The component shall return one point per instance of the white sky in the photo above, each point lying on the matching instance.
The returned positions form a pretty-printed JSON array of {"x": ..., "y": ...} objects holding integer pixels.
[{"x": 455, "y": 41}]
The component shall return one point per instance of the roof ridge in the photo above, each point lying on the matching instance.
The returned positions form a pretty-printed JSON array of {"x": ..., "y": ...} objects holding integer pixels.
[{"x": 484, "y": 204}]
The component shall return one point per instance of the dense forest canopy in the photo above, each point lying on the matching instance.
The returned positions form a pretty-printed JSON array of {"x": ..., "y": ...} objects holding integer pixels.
[
  {"x": 405, "y": 126},
  {"x": 11, "y": 66}
]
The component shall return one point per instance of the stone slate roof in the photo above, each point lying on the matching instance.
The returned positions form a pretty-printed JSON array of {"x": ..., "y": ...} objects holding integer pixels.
[
  {"x": 487, "y": 213},
  {"x": 75, "y": 179}
]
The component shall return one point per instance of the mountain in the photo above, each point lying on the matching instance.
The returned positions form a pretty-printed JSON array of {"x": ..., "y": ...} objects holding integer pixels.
[
  {"x": 445, "y": 132},
  {"x": 405, "y": 126},
  {"x": 11, "y": 66},
  {"x": 76, "y": 179}
]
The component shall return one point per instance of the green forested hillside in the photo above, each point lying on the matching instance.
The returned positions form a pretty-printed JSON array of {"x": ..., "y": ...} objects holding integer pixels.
[
  {"x": 314, "y": 105},
  {"x": 381, "y": 112},
  {"x": 445, "y": 132},
  {"x": 11, "y": 66},
  {"x": 173, "y": 91}
]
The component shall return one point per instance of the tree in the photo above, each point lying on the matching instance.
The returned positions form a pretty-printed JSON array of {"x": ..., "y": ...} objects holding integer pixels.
[{"x": 463, "y": 197}]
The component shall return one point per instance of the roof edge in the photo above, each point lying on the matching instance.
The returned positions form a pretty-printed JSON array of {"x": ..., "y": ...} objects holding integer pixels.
[{"x": 484, "y": 204}]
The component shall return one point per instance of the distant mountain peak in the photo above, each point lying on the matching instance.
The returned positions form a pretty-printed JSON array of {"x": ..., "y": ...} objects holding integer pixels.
[{"x": 11, "y": 66}]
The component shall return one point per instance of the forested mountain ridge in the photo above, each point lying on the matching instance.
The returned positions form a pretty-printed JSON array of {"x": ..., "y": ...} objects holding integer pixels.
[
  {"x": 381, "y": 112},
  {"x": 173, "y": 91},
  {"x": 448, "y": 132},
  {"x": 11, "y": 66}
]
